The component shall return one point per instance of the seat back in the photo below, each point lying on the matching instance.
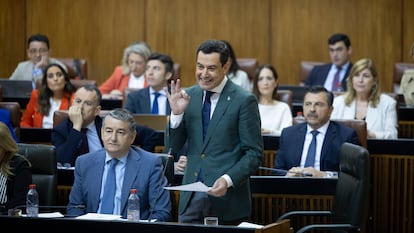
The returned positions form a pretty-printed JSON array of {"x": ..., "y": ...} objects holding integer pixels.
[
  {"x": 305, "y": 68},
  {"x": 399, "y": 69},
  {"x": 351, "y": 200},
  {"x": 249, "y": 65},
  {"x": 15, "y": 115},
  {"x": 43, "y": 160},
  {"x": 285, "y": 96},
  {"x": 77, "y": 67},
  {"x": 360, "y": 127}
]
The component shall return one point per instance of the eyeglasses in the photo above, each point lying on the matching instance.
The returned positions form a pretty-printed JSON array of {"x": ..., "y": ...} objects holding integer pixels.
[{"x": 36, "y": 51}]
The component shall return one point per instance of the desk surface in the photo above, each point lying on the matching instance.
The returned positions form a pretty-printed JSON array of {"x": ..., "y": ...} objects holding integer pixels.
[{"x": 46, "y": 225}]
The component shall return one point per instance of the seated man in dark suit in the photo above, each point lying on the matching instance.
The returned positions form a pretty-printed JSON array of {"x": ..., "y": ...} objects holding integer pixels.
[
  {"x": 312, "y": 147},
  {"x": 81, "y": 132},
  {"x": 333, "y": 75},
  {"x": 152, "y": 99}
]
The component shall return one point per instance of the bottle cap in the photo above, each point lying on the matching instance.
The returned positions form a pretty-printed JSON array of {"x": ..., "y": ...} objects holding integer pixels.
[
  {"x": 32, "y": 186},
  {"x": 299, "y": 113},
  {"x": 133, "y": 191}
]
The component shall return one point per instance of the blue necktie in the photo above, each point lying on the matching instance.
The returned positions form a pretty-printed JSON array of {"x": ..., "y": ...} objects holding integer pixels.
[
  {"x": 108, "y": 198},
  {"x": 206, "y": 111},
  {"x": 155, "y": 103},
  {"x": 310, "y": 158}
]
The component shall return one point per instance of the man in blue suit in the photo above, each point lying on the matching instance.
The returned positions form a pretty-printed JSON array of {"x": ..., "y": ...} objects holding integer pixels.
[
  {"x": 160, "y": 69},
  {"x": 333, "y": 75},
  {"x": 221, "y": 123},
  {"x": 135, "y": 168},
  {"x": 295, "y": 141}
]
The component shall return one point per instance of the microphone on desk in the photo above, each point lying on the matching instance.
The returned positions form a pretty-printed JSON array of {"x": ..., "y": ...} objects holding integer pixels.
[{"x": 284, "y": 171}]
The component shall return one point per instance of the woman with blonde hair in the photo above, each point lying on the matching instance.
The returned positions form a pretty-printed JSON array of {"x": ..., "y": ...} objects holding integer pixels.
[
  {"x": 365, "y": 101},
  {"x": 15, "y": 173}
]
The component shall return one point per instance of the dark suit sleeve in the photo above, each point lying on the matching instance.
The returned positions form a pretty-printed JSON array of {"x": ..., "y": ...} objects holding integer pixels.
[
  {"x": 20, "y": 182},
  {"x": 147, "y": 138},
  {"x": 67, "y": 141},
  {"x": 129, "y": 104}
]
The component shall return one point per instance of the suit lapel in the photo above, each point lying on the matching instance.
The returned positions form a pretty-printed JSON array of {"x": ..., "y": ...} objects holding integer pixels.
[
  {"x": 95, "y": 185},
  {"x": 329, "y": 137},
  {"x": 131, "y": 171},
  {"x": 224, "y": 101}
]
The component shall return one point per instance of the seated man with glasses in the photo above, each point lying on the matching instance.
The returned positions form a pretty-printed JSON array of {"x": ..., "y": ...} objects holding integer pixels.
[{"x": 38, "y": 51}]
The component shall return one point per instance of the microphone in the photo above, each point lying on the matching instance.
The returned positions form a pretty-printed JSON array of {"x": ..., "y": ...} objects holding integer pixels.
[
  {"x": 285, "y": 171},
  {"x": 159, "y": 185}
]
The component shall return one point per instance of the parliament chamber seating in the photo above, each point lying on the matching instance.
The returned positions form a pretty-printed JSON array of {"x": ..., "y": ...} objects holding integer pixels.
[
  {"x": 77, "y": 67},
  {"x": 351, "y": 198},
  {"x": 285, "y": 96},
  {"x": 249, "y": 65},
  {"x": 399, "y": 69},
  {"x": 15, "y": 115},
  {"x": 44, "y": 170},
  {"x": 305, "y": 68}
]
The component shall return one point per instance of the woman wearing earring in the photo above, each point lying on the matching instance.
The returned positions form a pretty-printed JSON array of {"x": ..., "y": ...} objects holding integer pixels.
[{"x": 365, "y": 101}]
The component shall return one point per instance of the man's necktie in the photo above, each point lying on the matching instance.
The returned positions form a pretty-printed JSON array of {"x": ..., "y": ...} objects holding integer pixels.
[
  {"x": 155, "y": 103},
  {"x": 310, "y": 157},
  {"x": 206, "y": 111},
  {"x": 108, "y": 198},
  {"x": 84, "y": 147},
  {"x": 336, "y": 80}
]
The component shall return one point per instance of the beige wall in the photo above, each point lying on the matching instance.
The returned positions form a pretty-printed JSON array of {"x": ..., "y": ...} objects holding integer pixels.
[{"x": 280, "y": 32}]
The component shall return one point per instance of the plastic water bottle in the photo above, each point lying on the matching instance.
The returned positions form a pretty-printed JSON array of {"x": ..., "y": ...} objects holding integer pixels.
[
  {"x": 299, "y": 118},
  {"x": 32, "y": 202},
  {"x": 133, "y": 208}
]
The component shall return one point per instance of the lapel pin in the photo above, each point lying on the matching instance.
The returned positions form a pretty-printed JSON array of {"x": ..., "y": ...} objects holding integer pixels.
[{"x": 228, "y": 98}]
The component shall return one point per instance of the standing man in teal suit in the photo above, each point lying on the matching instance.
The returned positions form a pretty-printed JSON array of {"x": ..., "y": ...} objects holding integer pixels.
[{"x": 230, "y": 151}]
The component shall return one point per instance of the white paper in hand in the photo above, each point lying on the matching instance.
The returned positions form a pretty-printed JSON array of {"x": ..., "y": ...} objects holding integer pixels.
[{"x": 193, "y": 187}]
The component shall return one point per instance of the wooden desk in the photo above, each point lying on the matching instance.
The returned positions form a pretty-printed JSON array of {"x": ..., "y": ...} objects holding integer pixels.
[{"x": 71, "y": 225}]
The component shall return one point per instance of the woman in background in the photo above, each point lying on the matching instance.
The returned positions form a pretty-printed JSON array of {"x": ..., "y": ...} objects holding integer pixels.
[
  {"x": 364, "y": 101},
  {"x": 55, "y": 93},
  {"x": 131, "y": 74},
  {"x": 15, "y": 173},
  {"x": 275, "y": 115},
  {"x": 235, "y": 74}
]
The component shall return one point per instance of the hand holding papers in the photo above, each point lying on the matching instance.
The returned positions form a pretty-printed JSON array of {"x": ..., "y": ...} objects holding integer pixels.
[{"x": 193, "y": 187}]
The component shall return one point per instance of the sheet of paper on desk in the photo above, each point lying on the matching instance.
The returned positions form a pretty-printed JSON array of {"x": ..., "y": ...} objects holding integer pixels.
[
  {"x": 250, "y": 225},
  {"x": 193, "y": 187},
  {"x": 95, "y": 216}
]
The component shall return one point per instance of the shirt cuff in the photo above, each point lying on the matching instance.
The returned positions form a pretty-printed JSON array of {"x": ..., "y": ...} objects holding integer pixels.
[
  {"x": 175, "y": 120},
  {"x": 228, "y": 180}
]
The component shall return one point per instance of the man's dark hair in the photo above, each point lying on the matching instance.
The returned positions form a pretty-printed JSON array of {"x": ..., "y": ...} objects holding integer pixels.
[
  {"x": 94, "y": 88},
  {"x": 318, "y": 89},
  {"x": 215, "y": 46},
  {"x": 165, "y": 59},
  {"x": 38, "y": 37},
  {"x": 335, "y": 38}
]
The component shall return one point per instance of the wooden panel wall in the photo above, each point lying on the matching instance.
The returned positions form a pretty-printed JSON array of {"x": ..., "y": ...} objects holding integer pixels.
[{"x": 274, "y": 31}]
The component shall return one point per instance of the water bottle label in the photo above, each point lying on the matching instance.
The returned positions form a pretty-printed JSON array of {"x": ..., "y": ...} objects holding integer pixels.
[{"x": 133, "y": 215}]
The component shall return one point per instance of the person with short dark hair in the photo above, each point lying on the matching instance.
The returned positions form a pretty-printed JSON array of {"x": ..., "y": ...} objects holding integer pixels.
[
  {"x": 81, "y": 132},
  {"x": 328, "y": 136},
  {"x": 38, "y": 51},
  {"x": 333, "y": 75},
  {"x": 159, "y": 70},
  {"x": 221, "y": 123},
  {"x": 132, "y": 168}
]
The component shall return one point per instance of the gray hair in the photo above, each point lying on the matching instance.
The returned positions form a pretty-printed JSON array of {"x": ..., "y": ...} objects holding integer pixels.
[
  {"x": 140, "y": 48},
  {"x": 122, "y": 114}
]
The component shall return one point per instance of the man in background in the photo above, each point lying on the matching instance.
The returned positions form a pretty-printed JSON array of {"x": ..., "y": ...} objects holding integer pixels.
[
  {"x": 38, "y": 51},
  {"x": 333, "y": 75}
]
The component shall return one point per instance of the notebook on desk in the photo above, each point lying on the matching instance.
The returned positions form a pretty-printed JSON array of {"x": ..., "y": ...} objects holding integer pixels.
[
  {"x": 16, "y": 88},
  {"x": 156, "y": 122}
]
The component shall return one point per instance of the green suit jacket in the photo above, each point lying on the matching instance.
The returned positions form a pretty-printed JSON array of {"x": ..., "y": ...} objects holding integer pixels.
[{"x": 233, "y": 145}]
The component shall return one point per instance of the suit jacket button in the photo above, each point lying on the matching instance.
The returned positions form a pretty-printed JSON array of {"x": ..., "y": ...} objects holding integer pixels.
[
  {"x": 196, "y": 174},
  {"x": 203, "y": 156}
]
